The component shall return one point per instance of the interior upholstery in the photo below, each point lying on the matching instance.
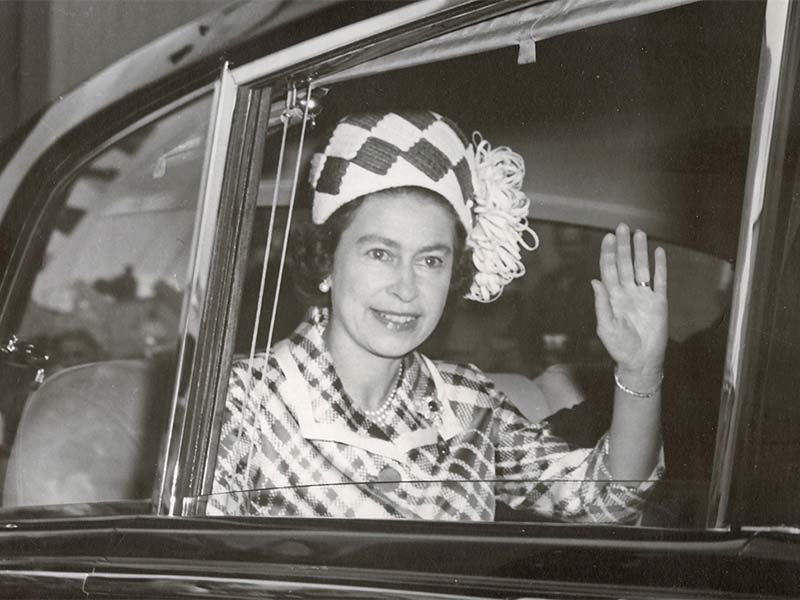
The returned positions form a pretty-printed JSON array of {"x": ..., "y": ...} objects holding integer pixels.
[
  {"x": 539, "y": 398},
  {"x": 90, "y": 433}
]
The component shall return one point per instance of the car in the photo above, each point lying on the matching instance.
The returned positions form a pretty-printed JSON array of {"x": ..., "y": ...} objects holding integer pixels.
[{"x": 145, "y": 219}]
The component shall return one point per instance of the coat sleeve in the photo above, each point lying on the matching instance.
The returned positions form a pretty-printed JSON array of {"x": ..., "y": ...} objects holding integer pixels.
[
  {"x": 539, "y": 471},
  {"x": 238, "y": 433}
]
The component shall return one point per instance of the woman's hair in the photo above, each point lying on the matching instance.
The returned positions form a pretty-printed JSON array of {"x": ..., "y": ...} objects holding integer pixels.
[{"x": 312, "y": 248}]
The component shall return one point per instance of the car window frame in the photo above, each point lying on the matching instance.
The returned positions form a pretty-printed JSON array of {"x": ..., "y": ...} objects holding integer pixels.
[
  {"x": 763, "y": 241},
  {"x": 212, "y": 300}
]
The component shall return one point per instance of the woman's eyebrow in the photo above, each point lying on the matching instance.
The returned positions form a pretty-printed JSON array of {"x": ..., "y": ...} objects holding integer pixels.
[
  {"x": 379, "y": 239},
  {"x": 445, "y": 248},
  {"x": 372, "y": 239}
]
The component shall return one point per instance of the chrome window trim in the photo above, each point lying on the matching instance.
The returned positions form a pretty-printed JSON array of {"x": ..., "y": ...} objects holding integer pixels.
[
  {"x": 234, "y": 232},
  {"x": 776, "y": 25},
  {"x": 251, "y": 72},
  {"x": 195, "y": 296},
  {"x": 239, "y": 587}
]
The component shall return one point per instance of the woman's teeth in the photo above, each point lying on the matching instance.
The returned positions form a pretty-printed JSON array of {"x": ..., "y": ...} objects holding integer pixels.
[{"x": 395, "y": 321}]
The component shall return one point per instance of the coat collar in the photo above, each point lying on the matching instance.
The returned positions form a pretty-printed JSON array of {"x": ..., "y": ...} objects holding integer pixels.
[{"x": 313, "y": 391}]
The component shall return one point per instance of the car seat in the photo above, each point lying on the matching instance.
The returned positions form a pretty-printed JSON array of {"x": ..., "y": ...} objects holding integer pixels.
[
  {"x": 89, "y": 433},
  {"x": 537, "y": 399}
]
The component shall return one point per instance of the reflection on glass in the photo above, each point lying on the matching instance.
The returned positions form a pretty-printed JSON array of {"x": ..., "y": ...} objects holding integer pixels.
[
  {"x": 105, "y": 307},
  {"x": 115, "y": 265}
]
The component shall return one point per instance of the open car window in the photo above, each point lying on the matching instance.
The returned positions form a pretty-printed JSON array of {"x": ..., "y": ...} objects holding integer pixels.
[{"x": 644, "y": 120}]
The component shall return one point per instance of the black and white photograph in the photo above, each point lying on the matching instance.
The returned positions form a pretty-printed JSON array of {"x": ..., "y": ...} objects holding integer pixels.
[{"x": 414, "y": 300}]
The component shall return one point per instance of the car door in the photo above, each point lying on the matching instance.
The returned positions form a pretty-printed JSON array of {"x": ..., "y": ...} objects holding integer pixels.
[{"x": 108, "y": 224}]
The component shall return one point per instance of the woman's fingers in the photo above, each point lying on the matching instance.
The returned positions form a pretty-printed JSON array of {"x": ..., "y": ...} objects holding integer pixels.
[
  {"x": 641, "y": 262},
  {"x": 622, "y": 265},
  {"x": 608, "y": 261},
  {"x": 660, "y": 278},
  {"x": 624, "y": 261}
]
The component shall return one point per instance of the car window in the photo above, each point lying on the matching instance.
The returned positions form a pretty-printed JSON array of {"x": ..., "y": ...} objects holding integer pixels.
[
  {"x": 101, "y": 307},
  {"x": 630, "y": 121}
]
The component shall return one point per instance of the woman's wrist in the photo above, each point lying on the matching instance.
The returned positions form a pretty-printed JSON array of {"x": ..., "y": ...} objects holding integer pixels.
[{"x": 642, "y": 383}]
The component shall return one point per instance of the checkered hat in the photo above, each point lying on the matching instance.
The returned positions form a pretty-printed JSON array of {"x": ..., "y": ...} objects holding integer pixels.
[{"x": 372, "y": 152}]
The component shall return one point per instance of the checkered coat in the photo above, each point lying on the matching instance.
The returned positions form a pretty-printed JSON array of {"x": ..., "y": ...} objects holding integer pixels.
[{"x": 294, "y": 444}]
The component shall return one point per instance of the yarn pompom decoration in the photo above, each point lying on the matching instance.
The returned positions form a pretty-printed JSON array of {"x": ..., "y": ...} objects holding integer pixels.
[{"x": 500, "y": 220}]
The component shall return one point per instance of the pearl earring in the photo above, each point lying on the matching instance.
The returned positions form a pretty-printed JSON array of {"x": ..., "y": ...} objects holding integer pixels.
[{"x": 325, "y": 285}]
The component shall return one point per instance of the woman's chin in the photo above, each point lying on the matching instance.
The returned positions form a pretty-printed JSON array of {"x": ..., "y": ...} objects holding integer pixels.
[
  {"x": 393, "y": 348},
  {"x": 391, "y": 343}
]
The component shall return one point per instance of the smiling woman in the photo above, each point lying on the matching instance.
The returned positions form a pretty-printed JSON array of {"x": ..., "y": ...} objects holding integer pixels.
[
  {"x": 390, "y": 279},
  {"x": 346, "y": 418}
]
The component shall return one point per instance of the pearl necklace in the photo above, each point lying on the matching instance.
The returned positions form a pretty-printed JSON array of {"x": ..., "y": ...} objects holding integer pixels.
[{"x": 380, "y": 415}]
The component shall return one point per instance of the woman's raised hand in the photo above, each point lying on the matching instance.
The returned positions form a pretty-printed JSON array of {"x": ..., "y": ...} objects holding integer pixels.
[{"x": 631, "y": 308}]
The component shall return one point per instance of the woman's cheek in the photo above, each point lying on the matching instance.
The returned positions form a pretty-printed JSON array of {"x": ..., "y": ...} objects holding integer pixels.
[
  {"x": 438, "y": 283},
  {"x": 371, "y": 269}
]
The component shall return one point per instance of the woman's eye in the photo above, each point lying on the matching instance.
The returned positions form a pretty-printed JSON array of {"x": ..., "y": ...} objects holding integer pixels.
[
  {"x": 378, "y": 254},
  {"x": 433, "y": 261}
]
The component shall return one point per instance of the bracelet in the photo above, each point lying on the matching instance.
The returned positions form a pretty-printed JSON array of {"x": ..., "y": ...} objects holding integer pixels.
[{"x": 634, "y": 393}]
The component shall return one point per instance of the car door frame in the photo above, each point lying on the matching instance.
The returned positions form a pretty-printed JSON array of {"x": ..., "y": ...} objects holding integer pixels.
[{"x": 741, "y": 393}]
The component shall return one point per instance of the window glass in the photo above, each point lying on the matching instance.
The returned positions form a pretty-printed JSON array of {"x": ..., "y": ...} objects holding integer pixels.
[
  {"x": 630, "y": 122},
  {"x": 104, "y": 306}
]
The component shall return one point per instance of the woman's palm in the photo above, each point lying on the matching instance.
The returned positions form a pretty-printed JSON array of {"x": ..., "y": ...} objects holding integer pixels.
[{"x": 631, "y": 317}]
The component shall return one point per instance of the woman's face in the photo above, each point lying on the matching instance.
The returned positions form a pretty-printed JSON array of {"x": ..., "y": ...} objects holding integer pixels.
[{"x": 391, "y": 274}]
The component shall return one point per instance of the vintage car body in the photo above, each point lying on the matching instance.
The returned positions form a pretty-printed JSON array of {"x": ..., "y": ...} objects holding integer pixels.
[{"x": 80, "y": 517}]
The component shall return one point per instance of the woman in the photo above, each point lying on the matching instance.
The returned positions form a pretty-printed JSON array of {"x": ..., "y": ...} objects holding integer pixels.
[{"x": 346, "y": 419}]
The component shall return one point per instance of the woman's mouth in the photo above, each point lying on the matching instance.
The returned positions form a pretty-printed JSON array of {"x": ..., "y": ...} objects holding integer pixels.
[{"x": 396, "y": 321}]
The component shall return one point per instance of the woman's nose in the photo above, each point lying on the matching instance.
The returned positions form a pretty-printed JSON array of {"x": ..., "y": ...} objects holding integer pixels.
[{"x": 405, "y": 285}]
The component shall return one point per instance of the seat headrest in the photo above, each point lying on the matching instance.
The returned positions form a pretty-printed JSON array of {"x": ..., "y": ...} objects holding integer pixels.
[{"x": 539, "y": 398}]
